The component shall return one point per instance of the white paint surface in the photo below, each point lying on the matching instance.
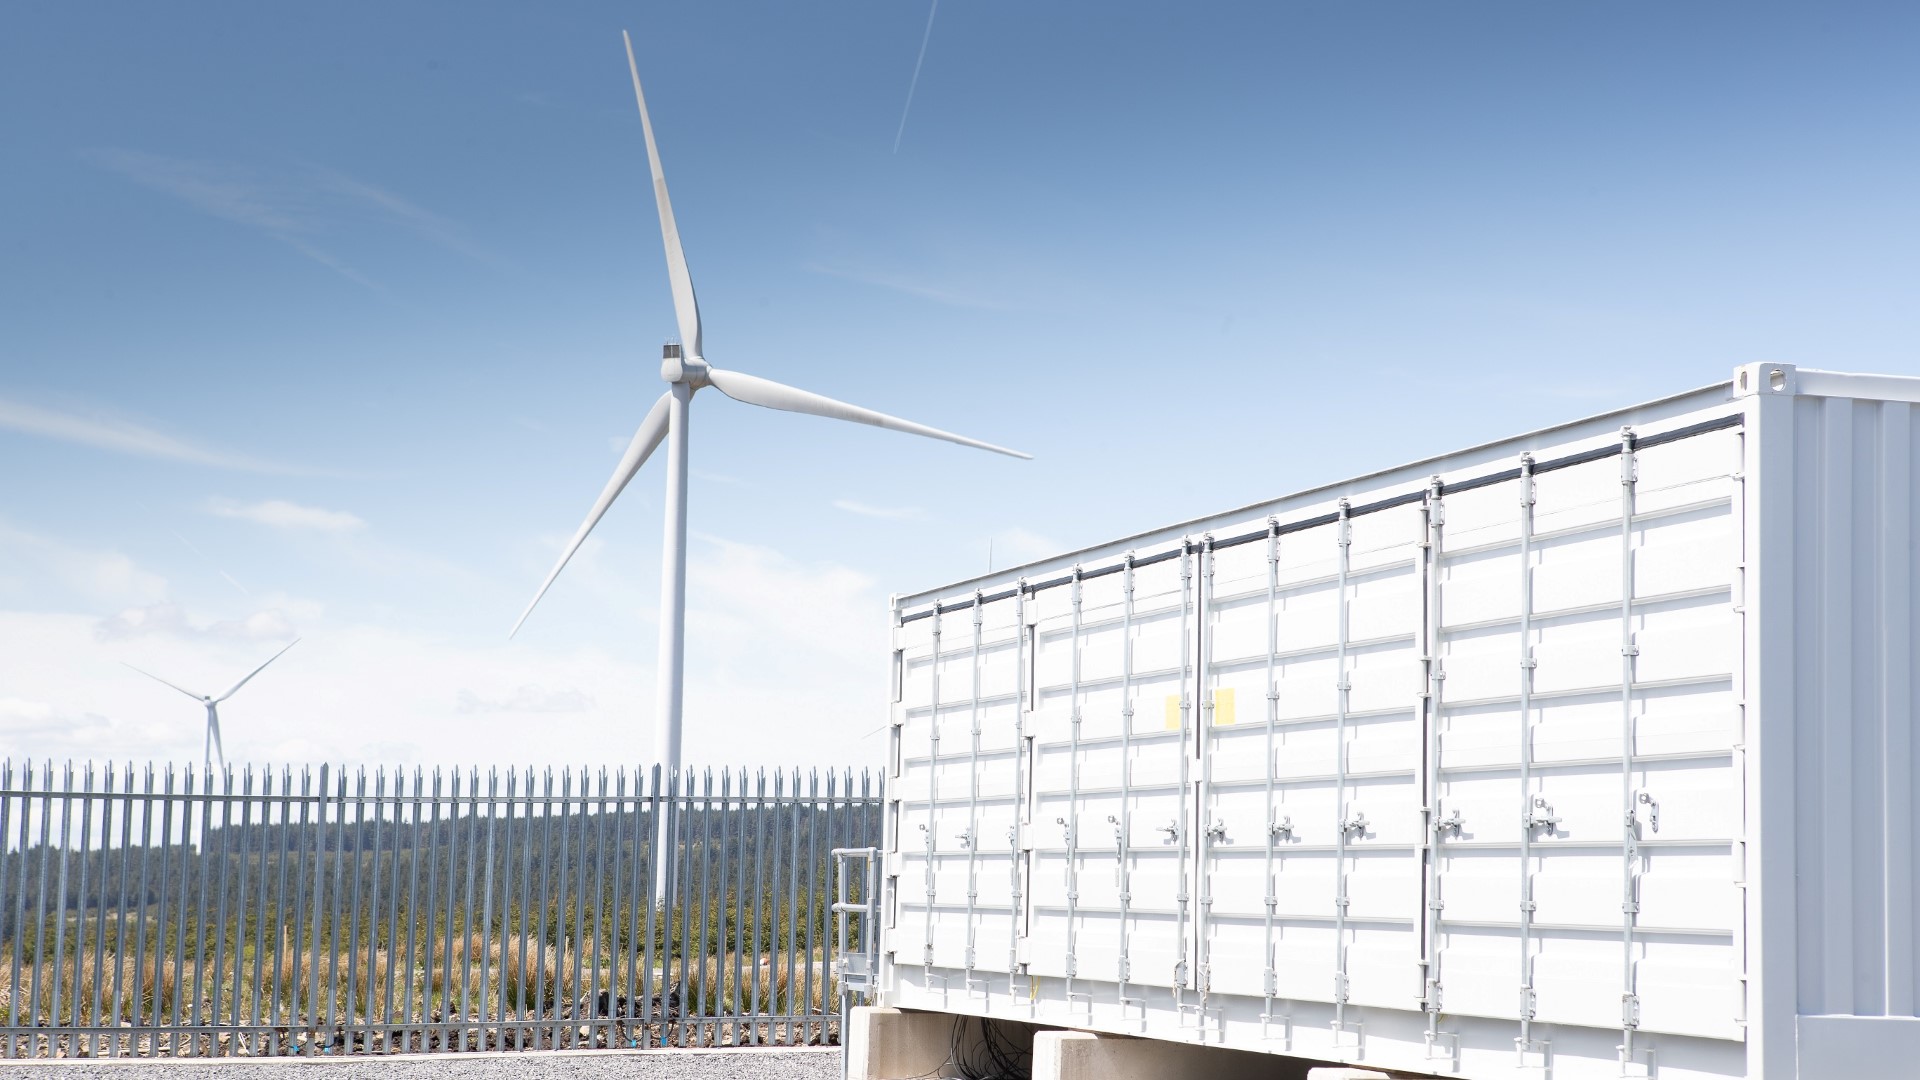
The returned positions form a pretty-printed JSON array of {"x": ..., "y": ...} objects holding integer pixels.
[{"x": 1381, "y": 785}]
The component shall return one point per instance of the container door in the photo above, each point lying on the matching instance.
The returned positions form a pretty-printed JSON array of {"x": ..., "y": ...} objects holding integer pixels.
[
  {"x": 959, "y": 875},
  {"x": 1589, "y": 793},
  {"x": 1310, "y": 760},
  {"x": 1113, "y": 772}
]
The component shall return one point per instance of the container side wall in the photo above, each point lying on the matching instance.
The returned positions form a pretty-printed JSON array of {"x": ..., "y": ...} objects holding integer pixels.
[
  {"x": 1443, "y": 772},
  {"x": 1853, "y": 637}
]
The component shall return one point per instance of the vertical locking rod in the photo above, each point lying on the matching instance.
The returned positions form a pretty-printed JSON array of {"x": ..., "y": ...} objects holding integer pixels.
[
  {"x": 1073, "y": 786},
  {"x": 1204, "y": 811},
  {"x": 1434, "y": 518},
  {"x": 1016, "y": 912},
  {"x": 1123, "y": 833},
  {"x": 972, "y": 836},
  {"x": 1270, "y": 978},
  {"x": 1629, "y": 839},
  {"x": 1343, "y": 687},
  {"x": 1180, "y": 973},
  {"x": 933, "y": 794},
  {"x": 1528, "y": 819}
]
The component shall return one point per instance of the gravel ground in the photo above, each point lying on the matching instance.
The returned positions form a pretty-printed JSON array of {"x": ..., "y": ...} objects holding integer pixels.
[{"x": 804, "y": 1064}]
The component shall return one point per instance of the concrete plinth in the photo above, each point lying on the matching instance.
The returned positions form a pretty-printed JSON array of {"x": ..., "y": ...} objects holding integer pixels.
[
  {"x": 887, "y": 1044},
  {"x": 1085, "y": 1055},
  {"x": 900, "y": 1044}
]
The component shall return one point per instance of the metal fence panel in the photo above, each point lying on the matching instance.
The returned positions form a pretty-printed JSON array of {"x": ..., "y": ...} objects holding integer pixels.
[{"x": 320, "y": 912}]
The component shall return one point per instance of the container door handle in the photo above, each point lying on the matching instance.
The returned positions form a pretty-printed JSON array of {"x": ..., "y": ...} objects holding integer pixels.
[{"x": 1643, "y": 798}]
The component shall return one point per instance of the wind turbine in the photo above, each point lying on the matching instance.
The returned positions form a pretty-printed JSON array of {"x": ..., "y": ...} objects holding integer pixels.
[
  {"x": 213, "y": 746},
  {"x": 685, "y": 368}
]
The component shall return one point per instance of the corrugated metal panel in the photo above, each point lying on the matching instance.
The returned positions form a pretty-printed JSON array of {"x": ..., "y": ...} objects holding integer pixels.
[
  {"x": 1854, "y": 662},
  {"x": 1452, "y": 768}
]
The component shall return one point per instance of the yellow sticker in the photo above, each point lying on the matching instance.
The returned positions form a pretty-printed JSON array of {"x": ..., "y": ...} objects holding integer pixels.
[{"x": 1222, "y": 707}]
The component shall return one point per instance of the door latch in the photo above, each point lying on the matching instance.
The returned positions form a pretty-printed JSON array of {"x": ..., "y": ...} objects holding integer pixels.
[{"x": 1643, "y": 798}]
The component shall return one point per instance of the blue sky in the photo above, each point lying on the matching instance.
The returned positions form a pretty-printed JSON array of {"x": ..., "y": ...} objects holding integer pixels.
[{"x": 330, "y": 322}]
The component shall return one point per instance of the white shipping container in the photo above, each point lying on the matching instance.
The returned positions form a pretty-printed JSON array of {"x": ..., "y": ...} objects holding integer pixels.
[{"x": 1588, "y": 753}]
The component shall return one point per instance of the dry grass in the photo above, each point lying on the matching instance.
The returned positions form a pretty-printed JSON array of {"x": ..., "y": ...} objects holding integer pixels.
[
  {"x": 514, "y": 972},
  {"x": 518, "y": 970},
  {"x": 151, "y": 988},
  {"x": 146, "y": 989},
  {"x": 289, "y": 982},
  {"x": 761, "y": 984}
]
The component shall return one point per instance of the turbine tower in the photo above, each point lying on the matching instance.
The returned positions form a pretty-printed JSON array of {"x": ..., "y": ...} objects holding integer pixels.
[
  {"x": 685, "y": 368},
  {"x": 213, "y": 746}
]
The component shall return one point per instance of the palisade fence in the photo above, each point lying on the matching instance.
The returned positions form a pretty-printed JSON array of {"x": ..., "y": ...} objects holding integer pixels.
[{"x": 254, "y": 912}]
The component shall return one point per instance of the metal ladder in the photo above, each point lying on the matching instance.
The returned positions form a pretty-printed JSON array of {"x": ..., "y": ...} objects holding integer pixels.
[{"x": 858, "y": 971}]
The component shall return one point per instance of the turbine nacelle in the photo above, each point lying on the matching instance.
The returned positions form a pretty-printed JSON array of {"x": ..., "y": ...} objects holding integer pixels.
[{"x": 676, "y": 367}]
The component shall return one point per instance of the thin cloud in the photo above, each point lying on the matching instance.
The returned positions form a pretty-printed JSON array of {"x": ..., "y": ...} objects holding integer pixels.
[
  {"x": 100, "y": 576},
  {"x": 332, "y": 263},
  {"x": 939, "y": 294},
  {"x": 293, "y": 208},
  {"x": 171, "y": 619},
  {"x": 125, "y": 436},
  {"x": 777, "y": 673},
  {"x": 530, "y": 698},
  {"x": 233, "y": 195},
  {"x": 886, "y": 513},
  {"x": 26, "y": 722},
  {"x": 281, "y": 514},
  {"x": 1017, "y": 545},
  {"x": 421, "y": 221},
  {"x": 212, "y": 189}
]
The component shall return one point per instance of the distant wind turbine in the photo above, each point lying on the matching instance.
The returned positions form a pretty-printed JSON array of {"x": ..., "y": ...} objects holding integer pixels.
[
  {"x": 213, "y": 746},
  {"x": 686, "y": 370}
]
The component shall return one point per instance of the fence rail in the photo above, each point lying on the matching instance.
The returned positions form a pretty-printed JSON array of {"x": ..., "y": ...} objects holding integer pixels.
[{"x": 263, "y": 913}]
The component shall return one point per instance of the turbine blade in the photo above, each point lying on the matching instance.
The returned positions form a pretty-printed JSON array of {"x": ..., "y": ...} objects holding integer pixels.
[
  {"x": 236, "y": 686},
  {"x": 772, "y": 395},
  {"x": 685, "y": 307},
  {"x": 161, "y": 681},
  {"x": 645, "y": 441},
  {"x": 213, "y": 723}
]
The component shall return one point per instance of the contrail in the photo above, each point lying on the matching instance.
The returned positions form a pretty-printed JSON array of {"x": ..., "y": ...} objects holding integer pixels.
[
  {"x": 928, "y": 36},
  {"x": 231, "y": 580}
]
